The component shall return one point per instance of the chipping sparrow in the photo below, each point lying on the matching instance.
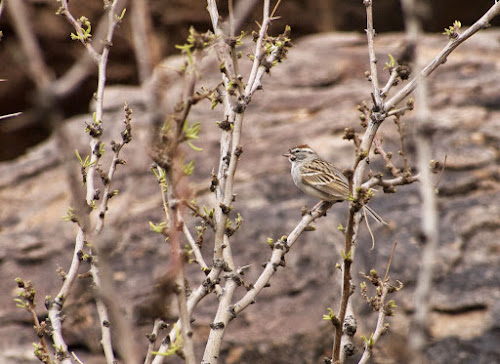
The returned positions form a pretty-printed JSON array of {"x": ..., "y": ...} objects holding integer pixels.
[{"x": 319, "y": 178}]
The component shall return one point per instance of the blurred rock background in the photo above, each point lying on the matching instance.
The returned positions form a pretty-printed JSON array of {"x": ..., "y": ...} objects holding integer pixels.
[
  {"x": 169, "y": 25},
  {"x": 310, "y": 98}
]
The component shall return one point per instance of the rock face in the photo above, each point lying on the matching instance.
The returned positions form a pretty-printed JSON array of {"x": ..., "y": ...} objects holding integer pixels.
[
  {"x": 169, "y": 26},
  {"x": 310, "y": 98}
]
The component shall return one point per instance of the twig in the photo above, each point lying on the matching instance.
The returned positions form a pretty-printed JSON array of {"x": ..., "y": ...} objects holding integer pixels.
[
  {"x": 370, "y": 34},
  {"x": 194, "y": 246},
  {"x": 101, "y": 59},
  {"x": 153, "y": 337},
  {"x": 391, "y": 82},
  {"x": 390, "y": 260},
  {"x": 56, "y": 305},
  {"x": 78, "y": 28},
  {"x": 399, "y": 111},
  {"x": 230, "y": 152},
  {"x": 221, "y": 210},
  {"x": 258, "y": 48},
  {"x": 197, "y": 212},
  {"x": 378, "y": 304},
  {"x": 196, "y": 296},
  {"x": 390, "y": 183},
  {"x": 395, "y": 171},
  {"x": 82, "y": 68},
  {"x": 349, "y": 328},
  {"x": 230, "y": 149},
  {"x": 351, "y": 231},
  {"x": 102, "y": 311},
  {"x": 401, "y": 133},
  {"x": 3, "y": 117},
  {"x": 377, "y": 116},
  {"x": 76, "y": 358},
  {"x": 380, "y": 328},
  {"x": 482, "y": 23},
  {"x": 174, "y": 220},
  {"x": 229, "y": 312},
  {"x": 280, "y": 248},
  {"x": 106, "y": 179}
]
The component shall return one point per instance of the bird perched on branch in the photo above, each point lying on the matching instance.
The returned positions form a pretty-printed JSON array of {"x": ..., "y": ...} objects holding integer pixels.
[{"x": 320, "y": 179}]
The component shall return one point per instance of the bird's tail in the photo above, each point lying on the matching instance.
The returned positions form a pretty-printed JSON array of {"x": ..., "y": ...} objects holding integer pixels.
[{"x": 373, "y": 214}]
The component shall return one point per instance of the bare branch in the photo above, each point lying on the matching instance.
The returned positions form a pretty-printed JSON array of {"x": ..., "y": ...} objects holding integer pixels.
[
  {"x": 56, "y": 305},
  {"x": 482, "y": 23},
  {"x": 175, "y": 221},
  {"x": 78, "y": 28},
  {"x": 370, "y": 34},
  {"x": 102, "y": 312},
  {"x": 3, "y": 117},
  {"x": 379, "y": 330},
  {"x": 95, "y": 130},
  {"x": 388, "y": 183},
  {"x": 84, "y": 64},
  {"x": 196, "y": 296},
  {"x": 391, "y": 82},
  {"x": 159, "y": 324},
  {"x": 194, "y": 246}
]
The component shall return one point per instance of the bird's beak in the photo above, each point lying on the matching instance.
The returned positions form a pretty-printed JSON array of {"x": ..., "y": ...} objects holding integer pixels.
[{"x": 287, "y": 154}]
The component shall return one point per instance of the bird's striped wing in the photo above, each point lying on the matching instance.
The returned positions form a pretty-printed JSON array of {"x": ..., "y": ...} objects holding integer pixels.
[{"x": 324, "y": 177}]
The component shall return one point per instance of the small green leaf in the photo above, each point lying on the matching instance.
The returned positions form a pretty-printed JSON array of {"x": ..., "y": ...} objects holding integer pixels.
[
  {"x": 79, "y": 158},
  {"x": 188, "y": 169},
  {"x": 20, "y": 303},
  {"x": 391, "y": 64},
  {"x": 120, "y": 18},
  {"x": 452, "y": 30},
  {"x": 102, "y": 150},
  {"x": 331, "y": 315},
  {"x": 158, "y": 228},
  {"x": 70, "y": 215},
  {"x": 186, "y": 48},
  {"x": 195, "y": 148}
]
